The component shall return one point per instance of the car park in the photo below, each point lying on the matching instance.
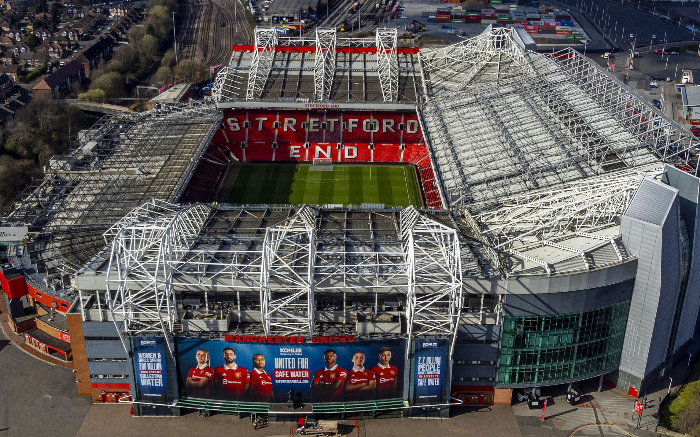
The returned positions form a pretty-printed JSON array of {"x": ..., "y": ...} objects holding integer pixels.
[{"x": 653, "y": 84}]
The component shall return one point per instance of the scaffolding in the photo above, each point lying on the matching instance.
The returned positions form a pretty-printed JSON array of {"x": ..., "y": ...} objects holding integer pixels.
[
  {"x": 264, "y": 55},
  {"x": 324, "y": 64},
  {"x": 434, "y": 294}
]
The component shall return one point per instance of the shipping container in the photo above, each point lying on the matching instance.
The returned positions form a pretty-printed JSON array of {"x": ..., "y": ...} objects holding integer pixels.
[
  {"x": 562, "y": 32},
  {"x": 496, "y": 1},
  {"x": 487, "y": 21},
  {"x": 563, "y": 28},
  {"x": 536, "y": 23},
  {"x": 458, "y": 20},
  {"x": 546, "y": 32},
  {"x": 442, "y": 19},
  {"x": 472, "y": 19},
  {"x": 431, "y": 20}
]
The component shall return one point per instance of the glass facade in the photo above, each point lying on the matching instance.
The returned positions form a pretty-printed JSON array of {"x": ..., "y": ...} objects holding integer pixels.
[{"x": 543, "y": 349}]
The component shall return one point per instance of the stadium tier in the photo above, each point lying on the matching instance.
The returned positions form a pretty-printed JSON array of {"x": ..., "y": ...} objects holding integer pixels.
[{"x": 553, "y": 239}]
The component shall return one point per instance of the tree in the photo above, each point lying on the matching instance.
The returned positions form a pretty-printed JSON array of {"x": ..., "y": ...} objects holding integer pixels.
[
  {"x": 168, "y": 58},
  {"x": 55, "y": 15},
  {"x": 150, "y": 46},
  {"x": 112, "y": 83},
  {"x": 32, "y": 41},
  {"x": 94, "y": 95},
  {"x": 163, "y": 76},
  {"x": 190, "y": 71},
  {"x": 124, "y": 60}
]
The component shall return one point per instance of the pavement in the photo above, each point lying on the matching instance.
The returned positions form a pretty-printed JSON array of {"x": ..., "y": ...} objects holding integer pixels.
[{"x": 36, "y": 398}]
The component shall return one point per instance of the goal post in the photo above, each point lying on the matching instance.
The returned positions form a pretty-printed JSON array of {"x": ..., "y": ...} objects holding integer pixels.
[{"x": 323, "y": 161}]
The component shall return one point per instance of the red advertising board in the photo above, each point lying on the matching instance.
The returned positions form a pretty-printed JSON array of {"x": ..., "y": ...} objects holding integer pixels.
[{"x": 638, "y": 408}]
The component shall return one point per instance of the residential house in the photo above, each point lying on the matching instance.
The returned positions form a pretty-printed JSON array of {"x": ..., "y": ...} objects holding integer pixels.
[
  {"x": 11, "y": 70},
  {"x": 7, "y": 86},
  {"x": 60, "y": 82},
  {"x": 6, "y": 41},
  {"x": 26, "y": 59},
  {"x": 7, "y": 57},
  {"x": 5, "y": 24},
  {"x": 93, "y": 55}
]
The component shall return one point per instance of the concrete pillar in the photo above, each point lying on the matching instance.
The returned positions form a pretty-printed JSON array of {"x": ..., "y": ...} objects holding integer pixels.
[{"x": 600, "y": 383}]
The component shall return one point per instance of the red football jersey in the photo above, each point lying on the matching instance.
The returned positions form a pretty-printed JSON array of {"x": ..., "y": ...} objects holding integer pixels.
[
  {"x": 231, "y": 382},
  {"x": 197, "y": 374},
  {"x": 329, "y": 376},
  {"x": 260, "y": 385},
  {"x": 361, "y": 378},
  {"x": 386, "y": 378}
]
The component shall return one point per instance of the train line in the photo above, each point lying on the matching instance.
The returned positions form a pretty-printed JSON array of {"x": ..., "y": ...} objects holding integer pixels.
[{"x": 210, "y": 31}]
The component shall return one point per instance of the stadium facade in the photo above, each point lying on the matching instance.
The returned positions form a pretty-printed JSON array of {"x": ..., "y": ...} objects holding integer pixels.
[{"x": 555, "y": 242}]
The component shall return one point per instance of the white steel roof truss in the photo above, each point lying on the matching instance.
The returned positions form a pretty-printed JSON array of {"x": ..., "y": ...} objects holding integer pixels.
[
  {"x": 434, "y": 292},
  {"x": 387, "y": 63},
  {"x": 287, "y": 302},
  {"x": 263, "y": 57},
  {"x": 324, "y": 63}
]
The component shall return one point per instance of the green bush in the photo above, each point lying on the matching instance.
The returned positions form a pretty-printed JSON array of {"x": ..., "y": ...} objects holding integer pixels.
[{"x": 32, "y": 75}]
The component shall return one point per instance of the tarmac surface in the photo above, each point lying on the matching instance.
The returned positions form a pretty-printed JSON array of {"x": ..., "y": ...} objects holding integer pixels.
[{"x": 36, "y": 398}]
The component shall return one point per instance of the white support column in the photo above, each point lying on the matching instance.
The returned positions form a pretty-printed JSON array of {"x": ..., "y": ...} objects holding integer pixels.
[
  {"x": 287, "y": 275},
  {"x": 387, "y": 63},
  {"x": 434, "y": 292},
  {"x": 324, "y": 66},
  {"x": 264, "y": 55}
]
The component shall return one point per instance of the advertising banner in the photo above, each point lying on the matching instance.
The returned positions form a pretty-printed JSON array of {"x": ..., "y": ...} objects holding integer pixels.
[
  {"x": 253, "y": 368},
  {"x": 430, "y": 367},
  {"x": 149, "y": 368}
]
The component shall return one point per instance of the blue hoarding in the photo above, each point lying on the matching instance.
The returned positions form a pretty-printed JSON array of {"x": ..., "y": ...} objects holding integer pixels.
[
  {"x": 149, "y": 368},
  {"x": 266, "y": 368},
  {"x": 429, "y": 359}
]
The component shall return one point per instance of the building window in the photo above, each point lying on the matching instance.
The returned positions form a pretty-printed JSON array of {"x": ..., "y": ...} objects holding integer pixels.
[{"x": 539, "y": 349}]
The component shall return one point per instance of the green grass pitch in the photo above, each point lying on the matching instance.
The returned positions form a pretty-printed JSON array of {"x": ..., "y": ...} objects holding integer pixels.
[{"x": 392, "y": 185}]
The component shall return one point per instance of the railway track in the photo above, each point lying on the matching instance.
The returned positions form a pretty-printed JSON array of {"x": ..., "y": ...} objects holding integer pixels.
[{"x": 210, "y": 31}]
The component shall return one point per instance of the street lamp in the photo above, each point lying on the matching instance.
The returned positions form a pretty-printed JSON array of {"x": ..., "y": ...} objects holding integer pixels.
[{"x": 175, "y": 38}]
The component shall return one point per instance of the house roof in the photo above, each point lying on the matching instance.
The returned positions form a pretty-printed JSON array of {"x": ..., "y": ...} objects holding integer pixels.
[{"x": 53, "y": 80}]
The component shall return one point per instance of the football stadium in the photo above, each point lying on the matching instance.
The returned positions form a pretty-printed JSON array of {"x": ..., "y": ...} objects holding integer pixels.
[{"x": 354, "y": 226}]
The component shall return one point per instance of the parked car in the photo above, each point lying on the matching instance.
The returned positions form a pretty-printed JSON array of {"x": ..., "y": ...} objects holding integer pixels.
[
  {"x": 534, "y": 402},
  {"x": 653, "y": 84},
  {"x": 695, "y": 130},
  {"x": 656, "y": 103},
  {"x": 672, "y": 53},
  {"x": 523, "y": 394}
]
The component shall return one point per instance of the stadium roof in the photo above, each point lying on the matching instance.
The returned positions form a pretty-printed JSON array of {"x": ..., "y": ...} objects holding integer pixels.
[{"x": 122, "y": 162}]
